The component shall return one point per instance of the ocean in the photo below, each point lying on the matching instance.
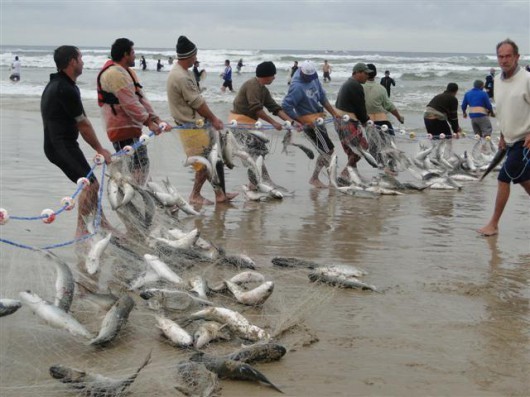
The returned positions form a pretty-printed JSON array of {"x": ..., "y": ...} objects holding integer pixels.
[{"x": 453, "y": 312}]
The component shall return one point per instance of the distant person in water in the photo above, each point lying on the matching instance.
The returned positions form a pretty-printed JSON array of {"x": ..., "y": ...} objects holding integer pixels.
[
  {"x": 294, "y": 68},
  {"x": 197, "y": 73},
  {"x": 326, "y": 70},
  {"x": 489, "y": 83},
  {"x": 15, "y": 70},
  {"x": 239, "y": 66},
  {"x": 159, "y": 66},
  {"x": 143, "y": 63},
  {"x": 387, "y": 82},
  {"x": 170, "y": 61},
  {"x": 227, "y": 77}
]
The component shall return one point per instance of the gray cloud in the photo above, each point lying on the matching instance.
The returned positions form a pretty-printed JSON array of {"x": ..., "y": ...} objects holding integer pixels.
[{"x": 448, "y": 26}]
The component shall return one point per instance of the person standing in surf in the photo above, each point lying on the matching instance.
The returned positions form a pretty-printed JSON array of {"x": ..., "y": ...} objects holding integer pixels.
[
  {"x": 351, "y": 103},
  {"x": 227, "y": 77},
  {"x": 490, "y": 78},
  {"x": 512, "y": 90},
  {"x": 387, "y": 82},
  {"x": 15, "y": 70},
  {"x": 187, "y": 106},
  {"x": 305, "y": 102},
  {"x": 124, "y": 107},
  {"x": 249, "y": 106},
  {"x": 64, "y": 119}
]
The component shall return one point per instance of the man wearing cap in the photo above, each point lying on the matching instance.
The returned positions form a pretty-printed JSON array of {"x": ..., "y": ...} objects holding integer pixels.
[
  {"x": 479, "y": 109},
  {"x": 124, "y": 107},
  {"x": 187, "y": 106},
  {"x": 378, "y": 103},
  {"x": 248, "y": 106},
  {"x": 305, "y": 102},
  {"x": 441, "y": 114},
  {"x": 351, "y": 102}
]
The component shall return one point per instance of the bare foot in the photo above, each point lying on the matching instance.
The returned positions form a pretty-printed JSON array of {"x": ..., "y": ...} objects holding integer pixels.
[
  {"x": 316, "y": 183},
  {"x": 200, "y": 200},
  {"x": 488, "y": 231},
  {"x": 222, "y": 198}
]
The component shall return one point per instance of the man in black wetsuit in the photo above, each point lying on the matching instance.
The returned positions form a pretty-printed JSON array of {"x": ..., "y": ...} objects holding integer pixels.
[
  {"x": 442, "y": 113},
  {"x": 64, "y": 118}
]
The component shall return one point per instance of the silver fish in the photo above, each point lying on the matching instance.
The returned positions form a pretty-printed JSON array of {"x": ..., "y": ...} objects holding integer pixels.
[
  {"x": 209, "y": 331},
  {"x": 64, "y": 282},
  {"x": 340, "y": 280},
  {"x": 259, "y": 353},
  {"x": 95, "y": 385},
  {"x": 236, "y": 322},
  {"x": 248, "y": 277},
  {"x": 253, "y": 297},
  {"x": 162, "y": 269},
  {"x": 174, "y": 332},
  {"x": 53, "y": 315},
  {"x": 198, "y": 286},
  {"x": 94, "y": 255},
  {"x": 114, "y": 320}
]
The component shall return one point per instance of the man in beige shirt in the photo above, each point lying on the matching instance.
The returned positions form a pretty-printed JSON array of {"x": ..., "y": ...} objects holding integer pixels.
[{"x": 187, "y": 106}]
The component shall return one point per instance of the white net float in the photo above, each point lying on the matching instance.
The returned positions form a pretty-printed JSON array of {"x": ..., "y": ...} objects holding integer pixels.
[
  {"x": 68, "y": 203},
  {"x": 429, "y": 136},
  {"x": 319, "y": 121},
  {"x": 162, "y": 126},
  {"x": 402, "y": 131},
  {"x": 412, "y": 135},
  {"x": 384, "y": 128},
  {"x": 199, "y": 123},
  {"x": 48, "y": 215},
  {"x": 233, "y": 123},
  {"x": 442, "y": 136},
  {"x": 99, "y": 159},
  {"x": 477, "y": 137},
  {"x": 258, "y": 124},
  {"x": 287, "y": 124},
  {"x": 128, "y": 150},
  {"x": 346, "y": 118},
  {"x": 4, "y": 216},
  {"x": 488, "y": 138},
  {"x": 83, "y": 182},
  {"x": 144, "y": 138},
  {"x": 369, "y": 123}
]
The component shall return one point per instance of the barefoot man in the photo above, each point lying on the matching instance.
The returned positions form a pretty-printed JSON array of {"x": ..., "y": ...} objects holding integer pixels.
[
  {"x": 187, "y": 105},
  {"x": 512, "y": 90}
]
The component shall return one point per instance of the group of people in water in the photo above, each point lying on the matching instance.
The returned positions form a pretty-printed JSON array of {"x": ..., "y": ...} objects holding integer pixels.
[{"x": 126, "y": 111}]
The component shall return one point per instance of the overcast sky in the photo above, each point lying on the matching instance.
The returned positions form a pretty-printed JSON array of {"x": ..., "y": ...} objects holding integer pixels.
[{"x": 433, "y": 26}]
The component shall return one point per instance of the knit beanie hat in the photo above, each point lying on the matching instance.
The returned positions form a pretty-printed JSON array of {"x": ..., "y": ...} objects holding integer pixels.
[
  {"x": 185, "y": 48},
  {"x": 266, "y": 69}
]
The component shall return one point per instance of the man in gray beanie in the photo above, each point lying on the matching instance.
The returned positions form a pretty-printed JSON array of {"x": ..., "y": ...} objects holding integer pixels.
[
  {"x": 249, "y": 106},
  {"x": 187, "y": 106}
]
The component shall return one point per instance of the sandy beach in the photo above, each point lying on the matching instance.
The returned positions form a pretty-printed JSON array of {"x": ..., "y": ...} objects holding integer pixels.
[{"x": 453, "y": 317}]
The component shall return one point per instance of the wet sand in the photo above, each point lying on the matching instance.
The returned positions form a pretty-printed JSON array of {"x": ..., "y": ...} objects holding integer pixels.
[{"x": 452, "y": 319}]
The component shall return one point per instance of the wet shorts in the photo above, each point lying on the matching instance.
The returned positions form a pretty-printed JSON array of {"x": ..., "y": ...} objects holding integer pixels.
[
  {"x": 69, "y": 158},
  {"x": 350, "y": 135},
  {"x": 139, "y": 160},
  {"x": 318, "y": 135},
  {"x": 516, "y": 167},
  {"x": 436, "y": 127}
]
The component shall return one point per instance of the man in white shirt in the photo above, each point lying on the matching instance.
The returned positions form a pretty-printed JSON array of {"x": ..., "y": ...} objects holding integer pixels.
[
  {"x": 15, "y": 67},
  {"x": 512, "y": 93}
]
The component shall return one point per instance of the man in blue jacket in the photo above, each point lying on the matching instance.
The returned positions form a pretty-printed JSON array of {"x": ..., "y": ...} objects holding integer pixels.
[
  {"x": 305, "y": 102},
  {"x": 479, "y": 108}
]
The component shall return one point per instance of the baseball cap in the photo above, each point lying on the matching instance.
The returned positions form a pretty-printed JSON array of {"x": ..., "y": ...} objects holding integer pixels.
[
  {"x": 361, "y": 67},
  {"x": 309, "y": 70}
]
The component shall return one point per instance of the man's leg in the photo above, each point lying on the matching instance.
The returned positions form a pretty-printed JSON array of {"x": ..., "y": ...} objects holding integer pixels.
[
  {"x": 322, "y": 161},
  {"x": 195, "y": 196},
  {"x": 503, "y": 193}
]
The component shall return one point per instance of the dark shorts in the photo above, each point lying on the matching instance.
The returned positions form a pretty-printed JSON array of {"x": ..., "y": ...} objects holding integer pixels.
[
  {"x": 139, "y": 160},
  {"x": 327, "y": 76},
  {"x": 69, "y": 158},
  {"x": 350, "y": 134},
  {"x": 436, "y": 127},
  {"x": 228, "y": 84},
  {"x": 318, "y": 135},
  {"x": 516, "y": 167}
]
